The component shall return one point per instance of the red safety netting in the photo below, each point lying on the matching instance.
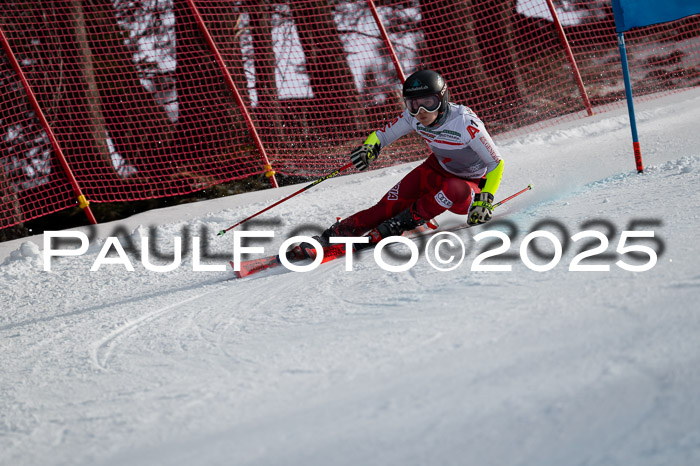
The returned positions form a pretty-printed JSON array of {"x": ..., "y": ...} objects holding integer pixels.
[{"x": 142, "y": 109}]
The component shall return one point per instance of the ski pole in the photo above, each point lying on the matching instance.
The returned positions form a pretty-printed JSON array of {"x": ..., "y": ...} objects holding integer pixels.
[
  {"x": 529, "y": 187},
  {"x": 332, "y": 174}
]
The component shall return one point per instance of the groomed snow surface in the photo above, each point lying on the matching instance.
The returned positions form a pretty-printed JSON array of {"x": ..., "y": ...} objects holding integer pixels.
[{"x": 367, "y": 367}]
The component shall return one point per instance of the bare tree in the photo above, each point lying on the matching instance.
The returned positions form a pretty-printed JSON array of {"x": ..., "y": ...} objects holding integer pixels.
[
  {"x": 209, "y": 120},
  {"x": 492, "y": 19},
  {"x": 330, "y": 77},
  {"x": 46, "y": 39},
  {"x": 13, "y": 143},
  {"x": 268, "y": 106},
  {"x": 450, "y": 50},
  {"x": 138, "y": 125},
  {"x": 79, "y": 107}
]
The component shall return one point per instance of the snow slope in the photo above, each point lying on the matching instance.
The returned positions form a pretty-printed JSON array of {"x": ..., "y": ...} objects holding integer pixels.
[{"x": 370, "y": 367}]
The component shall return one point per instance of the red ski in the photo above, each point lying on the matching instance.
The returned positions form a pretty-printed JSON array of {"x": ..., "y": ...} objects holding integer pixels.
[
  {"x": 330, "y": 253},
  {"x": 338, "y": 250}
]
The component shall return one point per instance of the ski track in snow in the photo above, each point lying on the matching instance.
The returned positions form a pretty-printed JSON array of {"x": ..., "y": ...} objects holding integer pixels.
[
  {"x": 103, "y": 348},
  {"x": 369, "y": 367}
]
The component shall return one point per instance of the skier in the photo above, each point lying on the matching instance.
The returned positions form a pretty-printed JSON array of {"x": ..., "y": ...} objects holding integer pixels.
[{"x": 462, "y": 174}]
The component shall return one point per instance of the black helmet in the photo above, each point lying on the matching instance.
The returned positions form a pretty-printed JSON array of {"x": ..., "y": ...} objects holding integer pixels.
[{"x": 425, "y": 83}]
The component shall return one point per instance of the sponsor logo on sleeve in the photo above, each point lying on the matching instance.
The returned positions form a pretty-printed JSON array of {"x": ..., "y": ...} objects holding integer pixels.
[{"x": 491, "y": 150}]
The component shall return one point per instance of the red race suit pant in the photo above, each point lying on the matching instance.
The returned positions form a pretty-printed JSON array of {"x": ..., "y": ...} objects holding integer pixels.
[{"x": 433, "y": 189}]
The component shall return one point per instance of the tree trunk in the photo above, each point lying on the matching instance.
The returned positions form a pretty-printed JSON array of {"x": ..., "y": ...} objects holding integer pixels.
[
  {"x": 80, "y": 107},
  {"x": 492, "y": 18},
  {"x": 211, "y": 128},
  {"x": 139, "y": 127},
  {"x": 28, "y": 167},
  {"x": 11, "y": 211},
  {"x": 449, "y": 51},
  {"x": 332, "y": 82},
  {"x": 268, "y": 108}
]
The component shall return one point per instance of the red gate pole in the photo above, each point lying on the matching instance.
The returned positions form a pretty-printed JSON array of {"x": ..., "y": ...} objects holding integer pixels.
[
  {"x": 570, "y": 56},
  {"x": 387, "y": 41},
  {"x": 269, "y": 172},
  {"x": 82, "y": 201}
]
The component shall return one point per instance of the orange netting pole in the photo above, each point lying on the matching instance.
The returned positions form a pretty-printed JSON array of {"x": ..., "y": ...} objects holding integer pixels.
[
  {"x": 82, "y": 201},
  {"x": 269, "y": 172},
  {"x": 387, "y": 41},
  {"x": 570, "y": 56}
]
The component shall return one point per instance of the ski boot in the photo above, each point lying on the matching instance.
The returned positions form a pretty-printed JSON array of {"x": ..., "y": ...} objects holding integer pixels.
[
  {"x": 309, "y": 251},
  {"x": 404, "y": 221}
]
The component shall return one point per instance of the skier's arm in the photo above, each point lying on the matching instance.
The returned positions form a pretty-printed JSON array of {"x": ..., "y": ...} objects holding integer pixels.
[
  {"x": 482, "y": 207},
  {"x": 493, "y": 179},
  {"x": 369, "y": 150},
  {"x": 394, "y": 129},
  {"x": 485, "y": 148}
]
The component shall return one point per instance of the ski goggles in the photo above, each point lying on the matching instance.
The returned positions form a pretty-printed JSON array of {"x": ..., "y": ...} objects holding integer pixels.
[{"x": 429, "y": 103}]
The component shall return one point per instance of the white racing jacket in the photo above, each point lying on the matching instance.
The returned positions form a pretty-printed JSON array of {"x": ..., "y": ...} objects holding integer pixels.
[{"x": 461, "y": 143}]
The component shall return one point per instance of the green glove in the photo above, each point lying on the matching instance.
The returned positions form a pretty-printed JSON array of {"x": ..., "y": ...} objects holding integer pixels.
[{"x": 361, "y": 156}]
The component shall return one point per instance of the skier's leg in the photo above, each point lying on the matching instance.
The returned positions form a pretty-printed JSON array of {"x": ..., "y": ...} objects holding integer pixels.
[
  {"x": 397, "y": 199},
  {"x": 454, "y": 194}
]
